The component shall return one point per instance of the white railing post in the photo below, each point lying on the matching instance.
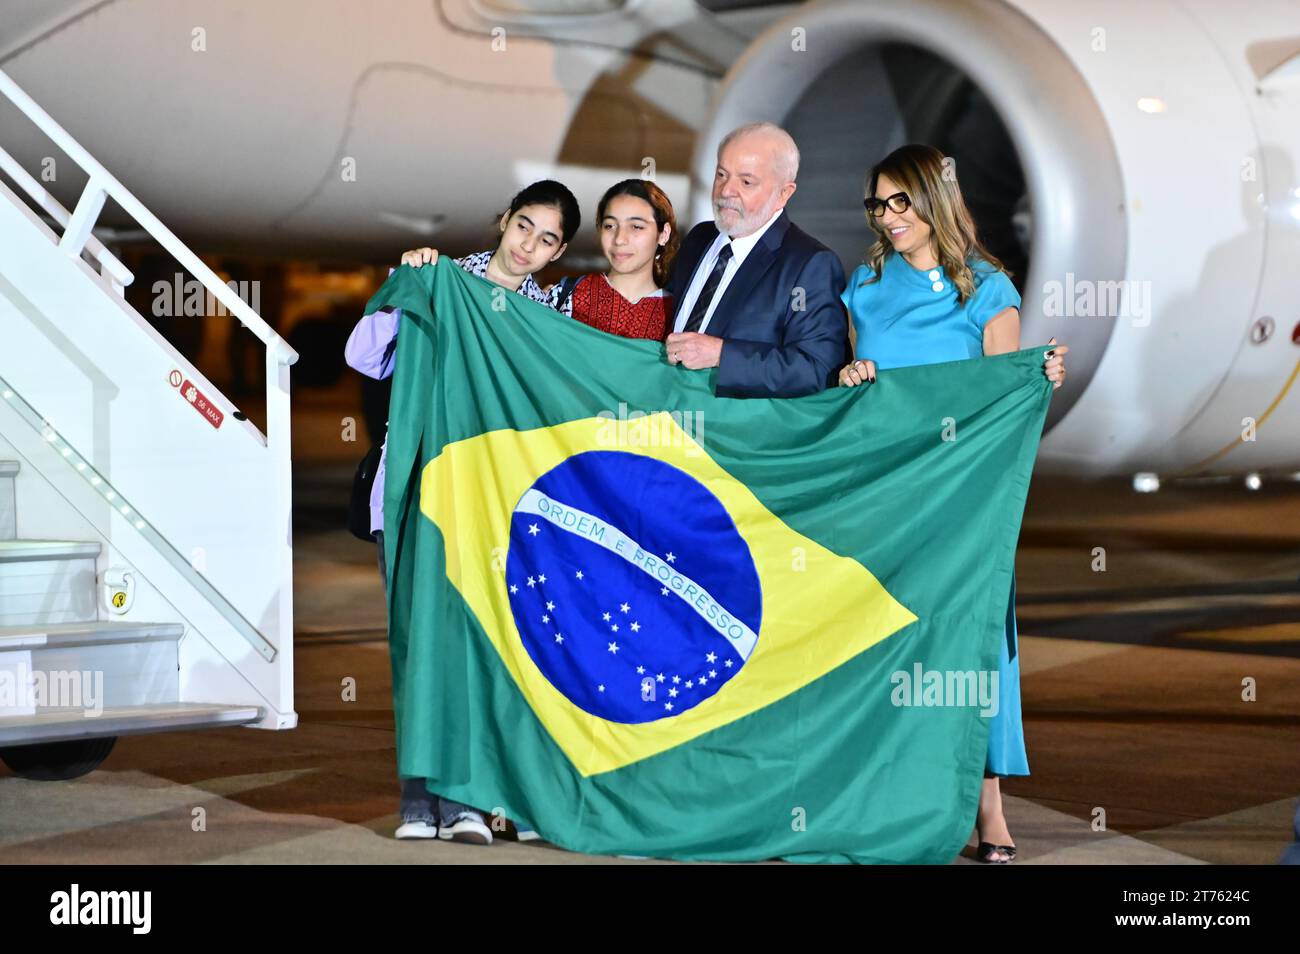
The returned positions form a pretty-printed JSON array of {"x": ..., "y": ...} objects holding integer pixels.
[
  {"x": 84, "y": 217},
  {"x": 118, "y": 275},
  {"x": 278, "y": 444}
]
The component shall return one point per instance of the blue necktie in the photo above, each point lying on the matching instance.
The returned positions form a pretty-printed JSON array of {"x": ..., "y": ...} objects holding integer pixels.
[{"x": 710, "y": 288}]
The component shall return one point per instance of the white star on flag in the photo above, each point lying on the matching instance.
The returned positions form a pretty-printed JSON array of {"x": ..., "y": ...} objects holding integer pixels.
[
  {"x": 533, "y": 530},
  {"x": 624, "y": 607},
  {"x": 640, "y": 670},
  {"x": 713, "y": 674},
  {"x": 659, "y": 678},
  {"x": 636, "y": 627},
  {"x": 668, "y": 706},
  {"x": 663, "y": 591},
  {"x": 532, "y": 582},
  {"x": 614, "y": 628},
  {"x": 578, "y": 574},
  {"x": 605, "y": 617},
  {"x": 545, "y": 618},
  {"x": 672, "y": 691},
  {"x": 513, "y": 589},
  {"x": 711, "y": 657},
  {"x": 677, "y": 679},
  {"x": 613, "y": 647},
  {"x": 689, "y": 684},
  {"x": 671, "y": 558},
  {"x": 542, "y": 578},
  {"x": 559, "y": 637},
  {"x": 551, "y": 606},
  {"x": 601, "y": 687}
]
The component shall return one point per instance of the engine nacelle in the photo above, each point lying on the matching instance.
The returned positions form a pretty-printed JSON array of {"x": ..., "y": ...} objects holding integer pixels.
[{"x": 1133, "y": 163}]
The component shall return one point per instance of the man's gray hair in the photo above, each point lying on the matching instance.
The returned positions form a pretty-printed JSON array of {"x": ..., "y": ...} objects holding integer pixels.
[{"x": 787, "y": 160}]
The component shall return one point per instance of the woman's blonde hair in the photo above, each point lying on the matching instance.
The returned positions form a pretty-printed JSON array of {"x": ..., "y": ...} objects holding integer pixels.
[{"x": 931, "y": 185}]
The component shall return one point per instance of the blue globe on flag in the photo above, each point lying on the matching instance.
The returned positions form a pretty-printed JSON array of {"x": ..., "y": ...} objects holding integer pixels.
[{"x": 631, "y": 588}]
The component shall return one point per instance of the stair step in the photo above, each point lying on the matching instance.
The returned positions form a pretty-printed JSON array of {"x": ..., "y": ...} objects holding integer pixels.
[
  {"x": 45, "y": 582},
  {"x": 8, "y": 507},
  {"x": 93, "y": 633},
  {"x": 24, "y": 551},
  {"x": 55, "y": 725}
]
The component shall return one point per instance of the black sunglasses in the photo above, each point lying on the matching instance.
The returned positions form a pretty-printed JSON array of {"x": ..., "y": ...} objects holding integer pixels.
[{"x": 899, "y": 202}]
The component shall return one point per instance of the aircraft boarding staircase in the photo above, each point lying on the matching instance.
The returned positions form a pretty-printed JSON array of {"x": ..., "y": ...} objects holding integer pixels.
[{"x": 145, "y": 535}]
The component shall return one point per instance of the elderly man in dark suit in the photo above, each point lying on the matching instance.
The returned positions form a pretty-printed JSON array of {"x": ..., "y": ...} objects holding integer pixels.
[{"x": 754, "y": 295}]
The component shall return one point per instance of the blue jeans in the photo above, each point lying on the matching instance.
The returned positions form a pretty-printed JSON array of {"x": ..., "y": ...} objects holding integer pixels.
[
  {"x": 1292, "y": 854},
  {"x": 418, "y": 804}
]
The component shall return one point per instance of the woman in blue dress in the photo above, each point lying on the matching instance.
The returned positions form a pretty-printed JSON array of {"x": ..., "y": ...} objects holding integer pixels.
[{"x": 930, "y": 292}]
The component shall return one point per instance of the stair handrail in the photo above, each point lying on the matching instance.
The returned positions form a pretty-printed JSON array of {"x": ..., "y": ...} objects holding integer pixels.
[
  {"x": 76, "y": 238},
  {"x": 119, "y": 275},
  {"x": 99, "y": 186}
]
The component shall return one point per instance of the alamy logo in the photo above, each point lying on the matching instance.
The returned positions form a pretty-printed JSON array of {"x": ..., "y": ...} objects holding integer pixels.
[
  {"x": 103, "y": 907},
  {"x": 1085, "y": 298},
  {"x": 55, "y": 688},
  {"x": 181, "y": 298},
  {"x": 946, "y": 687},
  {"x": 626, "y": 428}
]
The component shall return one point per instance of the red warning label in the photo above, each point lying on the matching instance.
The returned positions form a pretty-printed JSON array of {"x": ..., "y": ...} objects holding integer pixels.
[{"x": 201, "y": 404}]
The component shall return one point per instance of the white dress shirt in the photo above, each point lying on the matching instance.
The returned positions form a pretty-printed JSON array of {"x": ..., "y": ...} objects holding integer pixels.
[{"x": 740, "y": 249}]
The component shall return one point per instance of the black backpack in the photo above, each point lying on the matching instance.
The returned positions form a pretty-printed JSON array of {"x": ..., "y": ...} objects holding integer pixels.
[{"x": 359, "y": 505}]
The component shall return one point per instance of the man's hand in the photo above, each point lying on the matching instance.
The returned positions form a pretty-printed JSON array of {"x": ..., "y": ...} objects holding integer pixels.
[
  {"x": 856, "y": 373},
  {"x": 420, "y": 256},
  {"x": 693, "y": 350}
]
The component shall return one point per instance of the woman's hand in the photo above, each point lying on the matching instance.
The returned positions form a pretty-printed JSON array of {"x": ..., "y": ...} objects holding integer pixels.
[
  {"x": 859, "y": 372},
  {"x": 420, "y": 256},
  {"x": 1054, "y": 366}
]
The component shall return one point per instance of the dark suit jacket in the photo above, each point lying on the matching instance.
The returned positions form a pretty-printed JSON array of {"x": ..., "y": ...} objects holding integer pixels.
[{"x": 772, "y": 346}]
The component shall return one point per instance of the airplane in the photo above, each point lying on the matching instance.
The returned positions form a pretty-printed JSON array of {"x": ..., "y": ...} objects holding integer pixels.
[{"x": 1134, "y": 164}]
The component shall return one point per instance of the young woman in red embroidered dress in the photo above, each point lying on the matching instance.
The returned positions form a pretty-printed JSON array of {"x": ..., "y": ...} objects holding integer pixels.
[{"x": 638, "y": 234}]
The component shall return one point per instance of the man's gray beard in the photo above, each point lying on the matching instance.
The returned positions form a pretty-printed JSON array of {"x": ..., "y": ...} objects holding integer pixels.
[{"x": 741, "y": 225}]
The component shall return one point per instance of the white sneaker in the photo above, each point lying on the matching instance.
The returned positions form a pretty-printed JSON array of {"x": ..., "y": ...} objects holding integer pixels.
[
  {"x": 417, "y": 829},
  {"x": 526, "y": 834},
  {"x": 466, "y": 827}
]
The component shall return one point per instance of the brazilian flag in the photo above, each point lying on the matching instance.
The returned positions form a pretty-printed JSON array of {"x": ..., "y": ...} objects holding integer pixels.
[{"x": 646, "y": 620}]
